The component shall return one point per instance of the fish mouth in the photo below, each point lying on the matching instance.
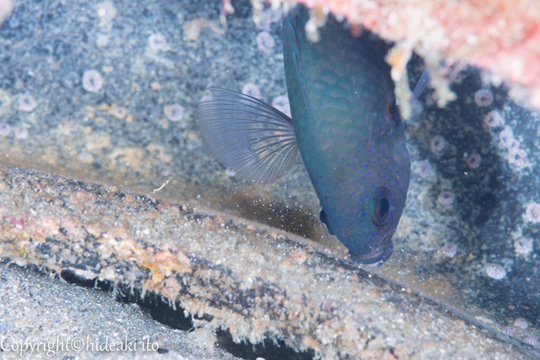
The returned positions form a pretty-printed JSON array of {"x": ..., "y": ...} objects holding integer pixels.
[{"x": 379, "y": 254}]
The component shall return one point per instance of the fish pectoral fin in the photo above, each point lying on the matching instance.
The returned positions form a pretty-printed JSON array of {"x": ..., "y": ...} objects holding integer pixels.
[
  {"x": 421, "y": 85},
  {"x": 324, "y": 221},
  {"x": 252, "y": 138}
]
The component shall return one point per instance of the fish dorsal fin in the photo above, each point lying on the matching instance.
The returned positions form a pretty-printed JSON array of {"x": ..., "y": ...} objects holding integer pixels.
[
  {"x": 247, "y": 135},
  {"x": 295, "y": 43}
]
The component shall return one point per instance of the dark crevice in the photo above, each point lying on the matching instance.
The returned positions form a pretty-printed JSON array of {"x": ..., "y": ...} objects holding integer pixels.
[
  {"x": 157, "y": 307},
  {"x": 173, "y": 316}
]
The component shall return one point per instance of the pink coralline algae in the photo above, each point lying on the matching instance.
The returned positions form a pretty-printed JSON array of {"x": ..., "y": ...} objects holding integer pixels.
[
  {"x": 523, "y": 246},
  {"x": 446, "y": 198},
  {"x": 495, "y": 271},
  {"x": 532, "y": 213},
  {"x": 27, "y": 103},
  {"x": 174, "y": 112},
  {"x": 265, "y": 41},
  {"x": 497, "y": 35},
  {"x": 157, "y": 42},
  {"x": 437, "y": 143},
  {"x": 252, "y": 90},
  {"x": 483, "y": 97},
  {"x": 92, "y": 81}
]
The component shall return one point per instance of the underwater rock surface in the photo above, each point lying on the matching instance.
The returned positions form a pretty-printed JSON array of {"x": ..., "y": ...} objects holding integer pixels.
[
  {"x": 255, "y": 281},
  {"x": 105, "y": 92}
]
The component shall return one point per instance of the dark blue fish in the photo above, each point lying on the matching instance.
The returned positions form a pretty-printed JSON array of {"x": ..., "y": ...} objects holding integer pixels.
[{"x": 345, "y": 124}]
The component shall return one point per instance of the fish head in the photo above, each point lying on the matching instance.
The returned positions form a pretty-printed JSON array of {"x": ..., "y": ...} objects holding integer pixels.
[{"x": 365, "y": 209}]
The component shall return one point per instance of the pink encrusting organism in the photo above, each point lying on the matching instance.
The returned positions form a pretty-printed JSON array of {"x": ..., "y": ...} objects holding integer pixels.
[
  {"x": 508, "y": 331},
  {"x": 483, "y": 97},
  {"x": 446, "y": 198},
  {"x": 523, "y": 246},
  {"x": 6, "y": 7},
  {"x": 263, "y": 20},
  {"x": 494, "y": 119},
  {"x": 265, "y": 41},
  {"x": 266, "y": 18},
  {"x": 437, "y": 143},
  {"x": 174, "y": 112},
  {"x": 506, "y": 137},
  {"x": 473, "y": 160},
  {"x": 532, "y": 213},
  {"x": 92, "y": 81},
  {"x": 495, "y": 271},
  {"x": 517, "y": 157},
  {"x": 423, "y": 168},
  {"x": 521, "y": 323},
  {"x": 531, "y": 340},
  {"x": 449, "y": 249},
  {"x": 157, "y": 42},
  {"x": 27, "y": 103},
  {"x": 5, "y": 130}
]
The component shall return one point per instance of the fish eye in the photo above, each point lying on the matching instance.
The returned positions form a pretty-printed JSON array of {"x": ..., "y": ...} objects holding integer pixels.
[{"x": 383, "y": 206}]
